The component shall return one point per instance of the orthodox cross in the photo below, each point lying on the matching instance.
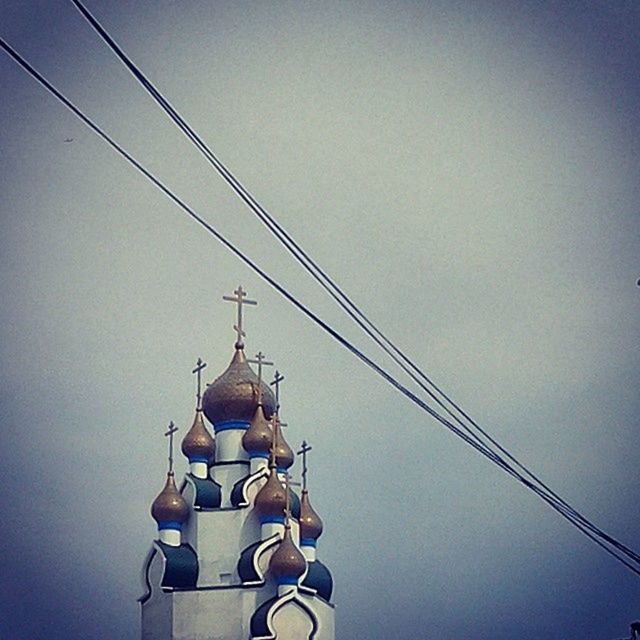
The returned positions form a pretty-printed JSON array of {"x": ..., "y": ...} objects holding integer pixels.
[
  {"x": 303, "y": 452},
  {"x": 200, "y": 365},
  {"x": 172, "y": 429},
  {"x": 239, "y": 298},
  {"x": 278, "y": 378},
  {"x": 261, "y": 362}
]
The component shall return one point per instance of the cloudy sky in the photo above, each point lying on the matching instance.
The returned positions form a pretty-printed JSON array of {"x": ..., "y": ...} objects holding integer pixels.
[{"x": 468, "y": 171}]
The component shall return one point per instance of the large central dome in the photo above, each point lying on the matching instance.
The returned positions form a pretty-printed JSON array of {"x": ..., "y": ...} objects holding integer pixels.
[{"x": 234, "y": 395}]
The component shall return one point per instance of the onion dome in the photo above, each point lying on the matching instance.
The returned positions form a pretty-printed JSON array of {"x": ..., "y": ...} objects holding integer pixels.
[
  {"x": 271, "y": 500},
  {"x": 284, "y": 454},
  {"x": 258, "y": 437},
  {"x": 169, "y": 509},
  {"x": 234, "y": 396},
  {"x": 287, "y": 564},
  {"x": 197, "y": 444},
  {"x": 310, "y": 523}
]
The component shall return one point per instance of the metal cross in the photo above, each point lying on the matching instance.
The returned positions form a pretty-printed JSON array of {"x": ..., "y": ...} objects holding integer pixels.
[
  {"x": 239, "y": 298},
  {"x": 278, "y": 378},
  {"x": 200, "y": 365},
  {"x": 305, "y": 448},
  {"x": 261, "y": 362},
  {"x": 169, "y": 433}
]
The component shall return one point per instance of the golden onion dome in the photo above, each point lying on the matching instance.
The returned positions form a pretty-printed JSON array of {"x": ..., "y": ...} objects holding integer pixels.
[
  {"x": 287, "y": 564},
  {"x": 197, "y": 444},
  {"x": 284, "y": 454},
  {"x": 271, "y": 500},
  {"x": 169, "y": 505},
  {"x": 234, "y": 394},
  {"x": 258, "y": 437},
  {"x": 310, "y": 523}
]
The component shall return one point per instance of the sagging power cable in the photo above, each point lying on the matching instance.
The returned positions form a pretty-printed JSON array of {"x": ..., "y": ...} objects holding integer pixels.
[
  {"x": 451, "y": 408},
  {"x": 300, "y": 306}
]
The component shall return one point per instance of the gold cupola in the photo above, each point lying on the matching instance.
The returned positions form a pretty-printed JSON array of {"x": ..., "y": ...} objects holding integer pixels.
[
  {"x": 259, "y": 436},
  {"x": 197, "y": 444},
  {"x": 170, "y": 509},
  {"x": 231, "y": 399},
  {"x": 234, "y": 396},
  {"x": 271, "y": 501},
  {"x": 287, "y": 564},
  {"x": 310, "y": 522}
]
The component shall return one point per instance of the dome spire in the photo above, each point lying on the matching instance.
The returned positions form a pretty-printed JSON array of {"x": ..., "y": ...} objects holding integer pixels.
[
  {"x": 310, "y": 522},
  {"x": 304, "y": 449},
  {"x": 171, "y": 430},
  {"x": 318, "y": 577},
  {"x": 239, "y": 298},
  {"x": 258, "y": 438},
  {"x": 230, "y": 401},
  {"x": 270, "y": 503},
  {"x": 284, "y": 455},
  {"x": 170, "y": 509},
  {"x": 197, "y": 444},
  {"x": 287, "y": 564},
  {"x": 283, "y": 452},
  {"x": 200, "y": 365},
  {"x": 277, "y": 379}
]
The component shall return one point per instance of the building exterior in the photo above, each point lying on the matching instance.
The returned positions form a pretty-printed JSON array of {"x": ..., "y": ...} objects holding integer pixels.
[{"x": 235, "y": 557}]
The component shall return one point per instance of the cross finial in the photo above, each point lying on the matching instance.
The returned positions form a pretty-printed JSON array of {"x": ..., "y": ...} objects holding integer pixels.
[
  {"x": 172, "y": 429},
  {"x": 200, "y": 365},
  {"x": 277, "y": 379},
  {"x": 304, "y": 449},
  {"x": 239, "y": 298},
  {"x": 261, "y": 362}
]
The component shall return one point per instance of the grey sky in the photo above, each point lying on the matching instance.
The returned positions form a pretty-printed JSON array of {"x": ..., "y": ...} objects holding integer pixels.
[{"x": 468, "y": 171}]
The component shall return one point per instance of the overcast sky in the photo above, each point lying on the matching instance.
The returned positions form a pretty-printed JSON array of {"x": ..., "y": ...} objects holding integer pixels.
[{"x": 467, "y": 171}]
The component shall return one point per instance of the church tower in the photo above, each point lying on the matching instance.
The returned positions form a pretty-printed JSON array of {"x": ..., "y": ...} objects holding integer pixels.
[{"x": 235, "y": 557}]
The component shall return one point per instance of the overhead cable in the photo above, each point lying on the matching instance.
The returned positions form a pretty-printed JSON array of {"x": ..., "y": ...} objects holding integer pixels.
[
  {"x": 451, "y": 408},
  {"x": 299, "y": 305}
]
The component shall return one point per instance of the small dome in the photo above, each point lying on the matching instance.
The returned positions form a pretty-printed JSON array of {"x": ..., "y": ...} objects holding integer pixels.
[
  {"x": 197, "y": 443},
  {"x": 234, "y": 394},
  {"x": 310, "y": 523},
  {"x": 284, "y": 454},
  {"x": 287, "y": 564},
  {"x": 258, "y": 437},
  {"x": 169, "y": 505},
  {"x": 271, "y": 500}
]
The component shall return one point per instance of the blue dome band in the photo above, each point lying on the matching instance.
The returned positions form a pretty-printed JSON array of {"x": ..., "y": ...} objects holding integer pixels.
[
  {"x": 230, "y": 424},
  {"x": 272, "y": 520}
]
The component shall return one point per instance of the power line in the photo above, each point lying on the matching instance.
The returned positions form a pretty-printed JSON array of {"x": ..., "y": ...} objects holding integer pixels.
[
  {"x": 300, "y": 306},
  {"x": 463, "y": 419}
]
